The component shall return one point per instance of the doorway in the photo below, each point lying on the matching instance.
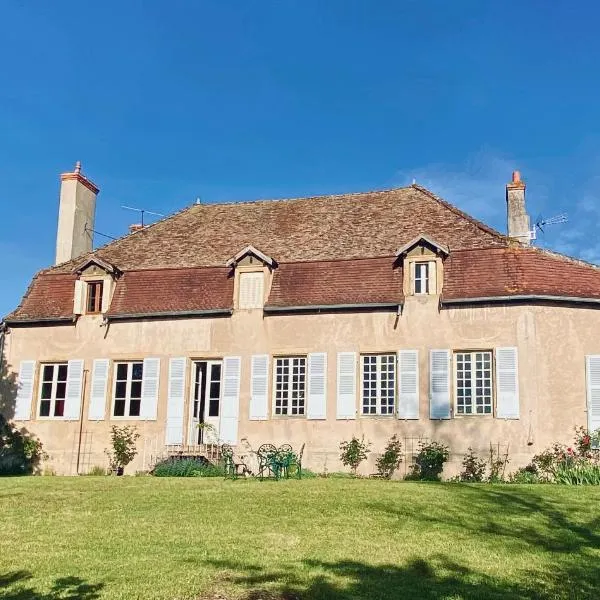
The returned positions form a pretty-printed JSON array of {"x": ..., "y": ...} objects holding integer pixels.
[{"x": 206, "y": 402}]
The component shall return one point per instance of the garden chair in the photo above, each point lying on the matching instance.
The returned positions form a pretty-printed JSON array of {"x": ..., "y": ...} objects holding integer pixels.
[
  {"x": 296, "y": 461},
  {"x": 232, "y": 468},
  {"x": 267, "y": 461}
]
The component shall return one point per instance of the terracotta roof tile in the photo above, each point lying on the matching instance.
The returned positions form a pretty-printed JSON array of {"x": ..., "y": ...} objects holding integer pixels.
[
  {"x": 517, "y": 271},
  {"x": 172, "y": 290},
  {"x": 304, "y": 229},
  {"x": 367, "y": 281}
]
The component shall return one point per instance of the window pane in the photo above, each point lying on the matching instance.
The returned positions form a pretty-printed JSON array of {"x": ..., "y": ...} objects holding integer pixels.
[
  {"x": 388, "y": 384},
  {"x": 45, "y": 408},
  {"x": 119, "y": 408},
  {"x": 122, "y": 371},
  {"x": 62, "y": 372},
  {"x": 61, "y": 389},
  {"x": 59, "y": 408},
  {"x": 215, "y": 389},
  {"x": 48, "y": 372},
  {"x": 136, "y": 389},
  {"x": 137, "y": 371},
  {"x": 46, "y": 391},
  {"x": 134, "y": 408},
  {"x": 215, "y": 372},
  {"x": 213, "y": 408},
  {"x": 369, "y": 401},
  {"x": 120, "y": 389}
]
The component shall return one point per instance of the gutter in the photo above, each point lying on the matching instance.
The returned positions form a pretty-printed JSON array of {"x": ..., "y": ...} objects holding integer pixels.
[
  {"x": 327, "y": 307},
  {"x": 160, "y": 315},
  {"x": 17, "y": 322},
  {"x": 521, "y": 298}
]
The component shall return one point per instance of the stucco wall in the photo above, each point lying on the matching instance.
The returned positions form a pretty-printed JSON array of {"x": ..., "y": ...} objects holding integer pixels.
[{"x": 552, "y": 342}]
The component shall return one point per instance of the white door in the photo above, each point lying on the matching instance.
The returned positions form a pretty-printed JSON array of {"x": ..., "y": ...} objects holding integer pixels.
[{"x": 206, "y": 402}]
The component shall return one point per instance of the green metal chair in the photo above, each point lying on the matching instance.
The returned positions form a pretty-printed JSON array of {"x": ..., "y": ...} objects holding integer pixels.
[{"x": 268, "y": 461}]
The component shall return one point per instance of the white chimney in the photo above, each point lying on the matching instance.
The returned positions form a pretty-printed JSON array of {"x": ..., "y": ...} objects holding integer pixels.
[
  {"x": 76, "y": 215},
  {"x": 516, "y": 212}
]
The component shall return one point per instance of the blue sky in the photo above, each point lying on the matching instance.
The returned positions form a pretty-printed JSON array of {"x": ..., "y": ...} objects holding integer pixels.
[{"x": 163, "y": 102}]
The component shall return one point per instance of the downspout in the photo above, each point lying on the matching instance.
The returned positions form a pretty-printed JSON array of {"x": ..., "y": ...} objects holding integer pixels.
[{"x": 81, "y": 413}]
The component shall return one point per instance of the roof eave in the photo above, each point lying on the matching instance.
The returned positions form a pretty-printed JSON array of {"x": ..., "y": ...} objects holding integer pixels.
[
  {"x": 211, "y": 312},
  {"x": 333, "y": 307},
  {"x": 520, "y": 298}
]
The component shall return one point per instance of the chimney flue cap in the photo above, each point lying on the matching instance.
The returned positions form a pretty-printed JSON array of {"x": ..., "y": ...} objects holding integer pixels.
[{"x": 77, "y": 167}]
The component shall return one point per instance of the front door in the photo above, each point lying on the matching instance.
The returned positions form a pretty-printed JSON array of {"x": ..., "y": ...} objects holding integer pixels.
[{"x": 206, "y": 402}]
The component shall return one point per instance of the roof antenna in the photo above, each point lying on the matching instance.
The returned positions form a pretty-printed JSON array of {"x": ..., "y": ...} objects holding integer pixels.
[
  {"x": 541, "y": 223},
  {"x": 143, "y": 211}
]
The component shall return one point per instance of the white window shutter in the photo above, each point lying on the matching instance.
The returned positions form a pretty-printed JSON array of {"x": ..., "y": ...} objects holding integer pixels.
[
  {"x": 107, "y": 287},
  {"x": 98, "y": 389},
  {"x": 79, "y": 297},
  {"x": 439, "y": 384},
  {"x": 592, "y": 364},
  {"x": 507, "y": 383},
  {"x": 74, "y": 390},
  {"x": 317, "y": 386},
  {"x": 259, "y": 386},
  {"x": 251, "y": 294},
  {"x": 24, "y": 390},
  {"x": 408, "y": 374},
  {"x": 175, "y": 401},
  {"x": 346, "y": 385},
  {"x": 230, "y": 406},
  {"x": 432, "y": 272},
  {"x": 150, "y": 388}
]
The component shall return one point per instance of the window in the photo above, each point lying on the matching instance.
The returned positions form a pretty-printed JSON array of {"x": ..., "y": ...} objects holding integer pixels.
[
  {"x": 290, "y": 385},
  {"x": 128, "y": 389},
  {"x": 378, "y": 384},
  {"x": 251, "y": 294},
  {"x": 53, "y": 390},
  {"x": 94, "y": 297},
  {"x": 421, "y": 278},
  {"x": 474, "y": 383}
]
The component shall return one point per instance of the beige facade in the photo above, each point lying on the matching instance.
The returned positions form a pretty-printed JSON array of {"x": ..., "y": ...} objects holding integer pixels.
[{"x": 551, "y": 375}]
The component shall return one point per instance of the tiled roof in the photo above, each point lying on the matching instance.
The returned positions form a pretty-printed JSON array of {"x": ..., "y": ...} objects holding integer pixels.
[
  {"x": 49, "y": 296},
  {"x": 172, "y": 290},
  {"x": 305, "y": 229},
  {"x": 367, "y": 281},
  {"x": 330, "y": 250},
  {"x": 517, "y": 271}
]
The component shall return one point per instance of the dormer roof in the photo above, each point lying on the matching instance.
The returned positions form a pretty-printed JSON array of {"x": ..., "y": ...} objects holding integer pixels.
[
  {"x": 94, "y": 260},
  {"x": 423, "y": 240},
  {"x": 250, "y": 251}
]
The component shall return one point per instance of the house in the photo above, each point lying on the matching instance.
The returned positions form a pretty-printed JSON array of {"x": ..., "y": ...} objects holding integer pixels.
[{"x": 305, "y": 321}]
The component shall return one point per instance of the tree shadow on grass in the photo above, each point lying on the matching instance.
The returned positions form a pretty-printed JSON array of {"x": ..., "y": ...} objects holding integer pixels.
[
  {"x": 435, "y": 579},
  {"x": 14, "y": 586}
]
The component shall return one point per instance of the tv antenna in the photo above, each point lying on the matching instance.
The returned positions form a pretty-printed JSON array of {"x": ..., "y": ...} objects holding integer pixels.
[
  {"x": 143, "y": 211},
  {"x": 541, "y": 223}
]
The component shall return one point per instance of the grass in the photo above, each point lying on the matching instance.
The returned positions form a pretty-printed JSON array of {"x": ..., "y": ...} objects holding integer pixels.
[{"x": 336, "y": 539}]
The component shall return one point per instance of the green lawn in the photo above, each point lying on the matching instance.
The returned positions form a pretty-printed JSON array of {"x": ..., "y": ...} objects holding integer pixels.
[{"x": 330, "y": 539}]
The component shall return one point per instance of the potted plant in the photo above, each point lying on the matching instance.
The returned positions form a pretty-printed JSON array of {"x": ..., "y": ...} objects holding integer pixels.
[{"x": 123, "y": 448}]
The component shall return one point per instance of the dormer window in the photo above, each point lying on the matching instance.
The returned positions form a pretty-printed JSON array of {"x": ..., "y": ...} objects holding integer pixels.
[
  {"x": 94, "y": 297},
  {"x": 252, "y": 270},
  {"x": 422, "y": 277},
  {"x": 422, "y": 262},
  {"x": 251, "y": 289}
]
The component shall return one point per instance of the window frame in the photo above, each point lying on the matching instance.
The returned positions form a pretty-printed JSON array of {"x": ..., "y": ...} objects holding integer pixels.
[
  {"x": 128, "y": 383},
  {"x": 290, "y": 376},
  {"x": 97, "y": 308},
  {"x": 378, "y": 384},
  {"x": 54, "y": 384},
  {"x": 418, "y": 264},
  {"x": 473, "y": 378}
]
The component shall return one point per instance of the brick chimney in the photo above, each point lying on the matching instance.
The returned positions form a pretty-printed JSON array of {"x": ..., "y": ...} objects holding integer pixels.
[
  {"x": 516, "y": 212},
  {"x": 76, "y": 215}
]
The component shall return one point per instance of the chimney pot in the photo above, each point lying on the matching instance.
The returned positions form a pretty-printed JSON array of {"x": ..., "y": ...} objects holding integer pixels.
[{"x": 516, "y": 177}]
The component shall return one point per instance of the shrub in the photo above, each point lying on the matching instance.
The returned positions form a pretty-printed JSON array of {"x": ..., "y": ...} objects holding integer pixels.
[
  {"x": 391, "y": 458},
  {"x": 123, "y": 447},
  {"x": 429, "y": 462},
  {"x": 354, "y": 452},
  {"x": 577, "y": 473},
  {"x": 473, "y": 467},
  {"x": 497, "y": 464},
  {"x": 20, "y": 453},
  {"x": 187, "y": 467},
  {"x": 97, "y": 471},
  {"x": 528, "y": 474}
]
